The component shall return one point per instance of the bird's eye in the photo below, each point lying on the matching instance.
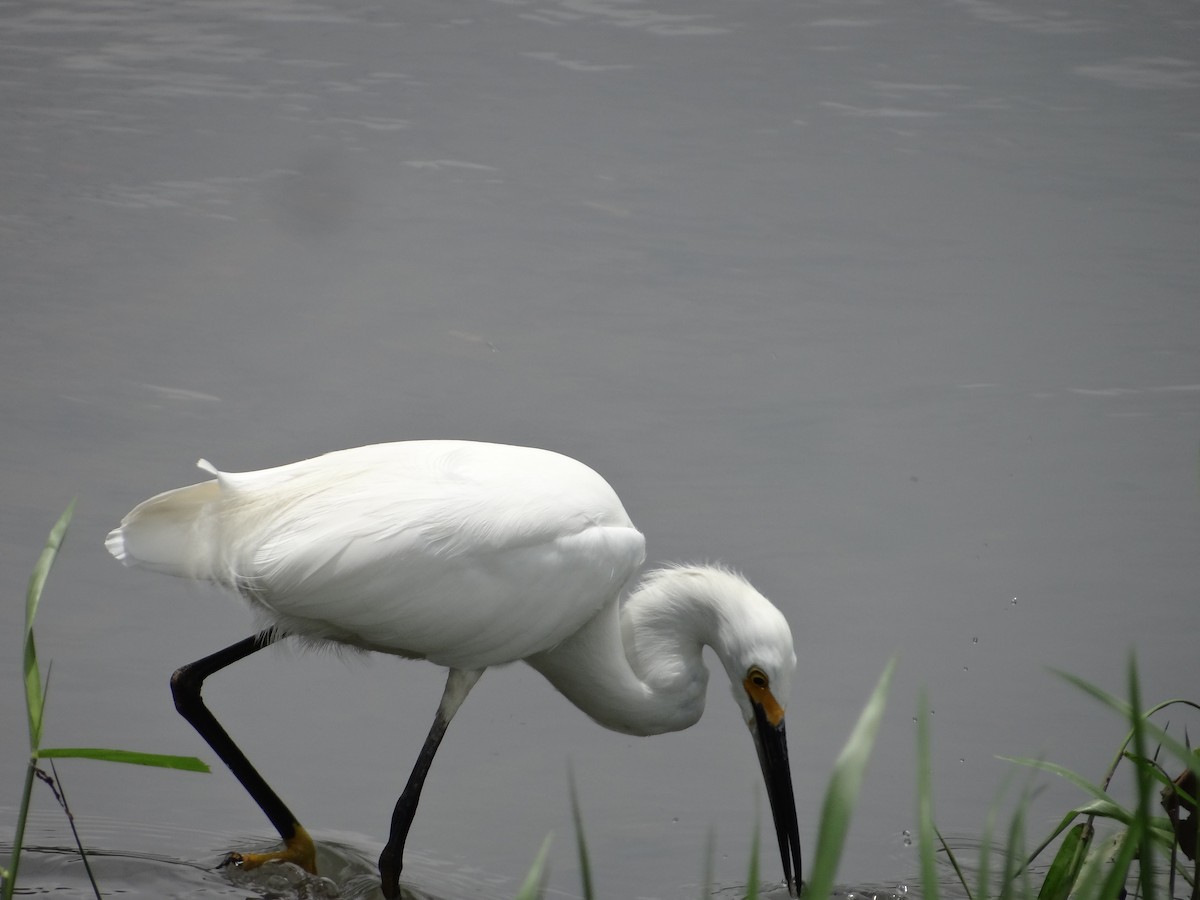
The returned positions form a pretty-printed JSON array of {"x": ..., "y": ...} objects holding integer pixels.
[{"x": 758, "y": 677}]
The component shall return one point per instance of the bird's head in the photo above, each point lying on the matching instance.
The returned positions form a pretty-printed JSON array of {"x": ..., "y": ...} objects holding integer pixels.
[
  {"x": 754, "y": 643},
  {"x": 759, "y": 656},
  {"x": 678, "y": 609}
]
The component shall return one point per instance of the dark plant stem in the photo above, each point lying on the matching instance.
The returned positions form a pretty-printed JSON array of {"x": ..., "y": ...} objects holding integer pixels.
[{"x": 60, "y": 794}]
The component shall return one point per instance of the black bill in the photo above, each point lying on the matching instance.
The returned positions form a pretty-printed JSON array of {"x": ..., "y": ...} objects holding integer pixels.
[{"x": 771, "y": 742}]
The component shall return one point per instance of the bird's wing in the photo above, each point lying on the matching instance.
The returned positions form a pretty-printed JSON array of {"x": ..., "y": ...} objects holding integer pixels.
[{"x": 466, "y": 554}]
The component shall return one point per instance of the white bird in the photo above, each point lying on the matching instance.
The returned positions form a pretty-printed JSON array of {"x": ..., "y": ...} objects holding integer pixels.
[{"x": 468, "y": 555}]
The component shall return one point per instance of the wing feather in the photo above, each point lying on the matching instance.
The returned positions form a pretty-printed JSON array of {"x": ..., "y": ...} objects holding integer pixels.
[{"x": 467, "y": 554}]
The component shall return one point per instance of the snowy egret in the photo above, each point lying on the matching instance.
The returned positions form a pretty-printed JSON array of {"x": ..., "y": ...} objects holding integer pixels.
[{"x": 468, "y": 555}]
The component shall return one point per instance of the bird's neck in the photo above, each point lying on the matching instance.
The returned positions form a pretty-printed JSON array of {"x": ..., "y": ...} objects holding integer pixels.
[{"x": 637, "y": 668}]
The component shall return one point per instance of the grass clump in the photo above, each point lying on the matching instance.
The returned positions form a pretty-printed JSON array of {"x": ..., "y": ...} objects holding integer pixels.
[
  {"x": 1148, "y": 856},
  {"x": 1145, "y": 855},
  {"x": 35, "y": 705}
]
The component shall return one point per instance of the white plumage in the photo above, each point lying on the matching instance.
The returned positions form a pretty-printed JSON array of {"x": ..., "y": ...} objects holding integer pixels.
[
  {"x": 471, "y": 555},
  {"x": 446, "y": 551}
]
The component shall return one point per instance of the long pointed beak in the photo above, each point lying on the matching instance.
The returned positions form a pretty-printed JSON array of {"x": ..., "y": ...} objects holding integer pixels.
[{"x": 771, "y": 742}]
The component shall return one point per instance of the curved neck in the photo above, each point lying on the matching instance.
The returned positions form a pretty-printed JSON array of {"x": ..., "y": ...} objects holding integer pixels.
[{"x": 636, "y": 667}]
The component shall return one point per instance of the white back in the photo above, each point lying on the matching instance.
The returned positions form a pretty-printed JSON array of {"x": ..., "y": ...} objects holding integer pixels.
[{"x": 466, "y": 554}]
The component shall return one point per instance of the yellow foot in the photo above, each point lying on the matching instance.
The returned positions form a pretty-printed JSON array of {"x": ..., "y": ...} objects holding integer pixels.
[{"x": 298, "y": 849}]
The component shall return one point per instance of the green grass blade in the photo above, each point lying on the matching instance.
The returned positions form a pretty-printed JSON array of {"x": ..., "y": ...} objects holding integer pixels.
[
  {"x": 585, "y": 865},
  {"x": 531, "y": 888},
  {"x": 1145, "y": 785},
  {"x": 37, "y": 581},
  {"x": 954, "y": 864},
  {"x": 1176, "y": 748},
  {"x": 34, "y": 697},
  {"x": 984, "y": 890},
  {"x": 842, "y": 793},
  {"x": 1104, "y": 809},
  {"x": 1097, "y": 809},
  {"x": 1152, "y": 731},
  {"x": 132, "y": 757},
  {"x": 1174, "y": 701},
  {"x": 1165, "y": 780},
  {"x": 1014, "y": 855},
  {"x": 1062, "y": 826},
  {"x": 1102, "y": 855},
  {"x": 1110, "y": 700},
  {"x": 1118, "y": 874},
  {"x": 1078, "y": 780},
  {"x": 10, "y": 880},
  {"x": 1067, "y": 862},
  {"x": 925, "y": 829}
]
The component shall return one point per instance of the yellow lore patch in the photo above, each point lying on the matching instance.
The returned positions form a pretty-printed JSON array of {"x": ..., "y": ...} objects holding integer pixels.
[{"x": 758, "y": 691}]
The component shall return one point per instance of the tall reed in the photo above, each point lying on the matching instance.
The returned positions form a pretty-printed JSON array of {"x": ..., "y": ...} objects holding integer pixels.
[{"x": 35, "y": 706}]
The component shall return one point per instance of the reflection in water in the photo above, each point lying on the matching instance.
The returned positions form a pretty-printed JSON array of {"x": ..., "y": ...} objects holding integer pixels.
[
  {"x": 57, "y": 870},
  {"x": 351, "y": 872},
  {"x": 50, "y": 864}
]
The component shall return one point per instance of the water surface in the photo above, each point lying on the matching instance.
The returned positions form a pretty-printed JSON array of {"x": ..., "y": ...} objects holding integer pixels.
[{"x": 893, "y": 306}]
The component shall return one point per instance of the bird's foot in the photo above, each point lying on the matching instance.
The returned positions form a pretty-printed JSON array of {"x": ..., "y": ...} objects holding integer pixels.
[{"x": 298, "y": 849}]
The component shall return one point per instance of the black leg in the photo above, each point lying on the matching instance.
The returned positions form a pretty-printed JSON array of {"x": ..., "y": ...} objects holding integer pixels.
[
  {"x": 391, "y": 861},
  {"x": 186, "y": 685}
]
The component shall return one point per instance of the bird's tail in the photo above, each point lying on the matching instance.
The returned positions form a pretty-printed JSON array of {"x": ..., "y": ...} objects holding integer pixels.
[{"x": 171, "y": 532}]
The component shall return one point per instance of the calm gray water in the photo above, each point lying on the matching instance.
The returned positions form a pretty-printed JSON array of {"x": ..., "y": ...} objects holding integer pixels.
[{"x": 894, "y": 306}]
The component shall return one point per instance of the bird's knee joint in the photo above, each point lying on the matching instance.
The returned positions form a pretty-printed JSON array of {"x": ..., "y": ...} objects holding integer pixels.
[{"x": 185, "y": 687}]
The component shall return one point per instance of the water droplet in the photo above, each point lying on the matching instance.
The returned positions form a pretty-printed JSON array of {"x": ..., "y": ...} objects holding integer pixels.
[
  {"x": 964, "y": 668},
  {"x": 675, "y": 819},
  {"x": 974, "y": 640}
]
